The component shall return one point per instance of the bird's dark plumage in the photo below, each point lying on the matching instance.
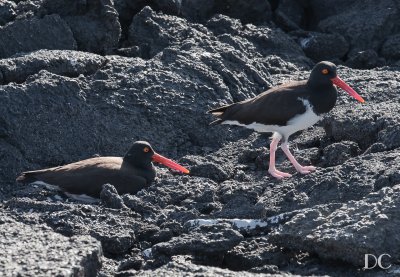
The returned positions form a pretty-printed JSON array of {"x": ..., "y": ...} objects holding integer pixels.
[
  {"x": 129, "y": 174},
  {"x": 286, "y": 109},
  {"x": 279, "y": 104}
]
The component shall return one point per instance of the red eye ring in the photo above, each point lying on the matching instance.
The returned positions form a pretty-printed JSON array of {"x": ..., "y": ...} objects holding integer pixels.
[
  {"x": 325, "y": 71},
  {"x": 146, "y": 149}
]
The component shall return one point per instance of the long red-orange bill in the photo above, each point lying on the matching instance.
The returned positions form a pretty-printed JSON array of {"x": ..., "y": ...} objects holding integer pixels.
[
  {"x": 340, "y": 83},
  {"x": 167, "y": 162}
]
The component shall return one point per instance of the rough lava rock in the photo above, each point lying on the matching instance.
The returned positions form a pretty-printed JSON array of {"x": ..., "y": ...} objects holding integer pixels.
[
  {"x": 347, "y": 231},
  {"x": 51, "y": 32},
  {"x": 338, "y": 153},
  {"x": 321, "y": 47},
  {"x": 110, "y": 197},
  {"x": 153, "y": 32},
  {"x": 7, "y": 11},
  {"x": 391, "y": 47},
  {"x": 365, "y": 59},
  {"x": 65, "y": 63},
  {"x": 45, "y": 252},
  {"x": 181, "y": 267},
  {"x": 151, "y": 73},
  {"x": 202, "y": 240},
  {"x": 93, "y": 23},
  {"x": 253, "y": 11},
  {"x": 363, "y": 25}
]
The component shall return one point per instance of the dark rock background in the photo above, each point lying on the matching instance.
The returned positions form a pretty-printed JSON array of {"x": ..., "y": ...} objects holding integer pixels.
[{"x": 86, "y": 78}]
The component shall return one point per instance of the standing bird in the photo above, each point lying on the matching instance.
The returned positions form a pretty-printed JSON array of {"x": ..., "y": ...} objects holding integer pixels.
[
  {"x": 128, "y": 174},
  {"x": 286, "y": 109}
]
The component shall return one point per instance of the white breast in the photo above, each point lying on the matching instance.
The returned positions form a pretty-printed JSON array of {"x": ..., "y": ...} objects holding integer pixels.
[{"x": 297, "y": 123}]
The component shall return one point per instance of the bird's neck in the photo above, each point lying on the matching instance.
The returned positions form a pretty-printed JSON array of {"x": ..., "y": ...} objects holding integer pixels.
[
  {"x": 323, "y": 97},
  {"x": 146, "y": 170}
]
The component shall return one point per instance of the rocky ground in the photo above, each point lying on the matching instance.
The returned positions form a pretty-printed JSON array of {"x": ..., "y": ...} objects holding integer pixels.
[{"x": 89, "y": 78}]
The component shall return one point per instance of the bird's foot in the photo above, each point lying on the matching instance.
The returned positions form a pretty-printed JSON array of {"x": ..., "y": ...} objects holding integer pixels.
[
  {"x": 306, "y": 169},
  {"x": 278, "y": 174}
]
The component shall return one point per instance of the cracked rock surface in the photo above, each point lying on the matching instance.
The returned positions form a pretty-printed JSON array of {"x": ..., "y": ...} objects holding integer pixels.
[
  {"x": 87, "y": 78},
  {"x": 37, "y": 250}
]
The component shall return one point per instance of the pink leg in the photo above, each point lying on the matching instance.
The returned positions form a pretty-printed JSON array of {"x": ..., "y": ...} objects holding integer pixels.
[
  {"x": 299, "y": 168},
  {"x": 272, "y": 149}
]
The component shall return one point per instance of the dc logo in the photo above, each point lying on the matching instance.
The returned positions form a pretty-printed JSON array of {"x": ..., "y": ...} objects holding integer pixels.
[{"x": 371, "y": 261}]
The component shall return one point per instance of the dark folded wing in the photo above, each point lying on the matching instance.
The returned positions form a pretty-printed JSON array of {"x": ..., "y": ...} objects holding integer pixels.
[{"x": 273, "y": 107}]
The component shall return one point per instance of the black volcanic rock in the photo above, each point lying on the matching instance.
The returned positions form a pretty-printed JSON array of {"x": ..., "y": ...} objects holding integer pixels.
[
  {"x": 45, "y": 252},
  {"x": 363, "y": 24},
  {"x": 65, "y": 63},
  {"x": 94, "y": 23},
  {"x": 209, "y": 168},
  {"x": 51, "y": 32},
  {"x": 114, "y": 228},
  {"x": 320, "y": 46},
  {"x": 347, "y": 232},
  {"x": 352, "y": 180},
  {"x": 390, "y": 137},
  {"x": 337, "y": 153},
  {"x": 248, "y": 11},
  {"x": 365, "y": 59},
  {"x": 153, "y": 32},
  {"x": 96, "y": 28},
  {"x": 197, "y": 10},
  {"x": 202, "y": 240},
  {"x": 362, "y": 124},
  {"x": 254, "y": 11},
  {"x": 182, "y": 267},
  {"x": 7, "y": 11},
  {"x": 290, "y": 15},
  {"x": 391, "y": 47},
  {"x": 110, "y": 198},
  {"x": 252, "y": 254}
]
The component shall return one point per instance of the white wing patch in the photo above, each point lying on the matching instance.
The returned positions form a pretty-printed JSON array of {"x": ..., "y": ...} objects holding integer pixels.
[
  {"x": 82, "y": 198},
  {"x": 46, "y": 185},
  {"x": 79, "y": 197}
]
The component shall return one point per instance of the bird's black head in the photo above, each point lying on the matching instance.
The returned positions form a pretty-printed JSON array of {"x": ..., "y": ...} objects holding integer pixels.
[
  {"x": 322, "y": 74},
  {"x": 140, "y": 154}
]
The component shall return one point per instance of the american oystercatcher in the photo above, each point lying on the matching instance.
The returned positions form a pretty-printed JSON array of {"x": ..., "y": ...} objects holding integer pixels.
[
  {"x": 286, "y": 109},
  {"x": 128, "y": 174}
]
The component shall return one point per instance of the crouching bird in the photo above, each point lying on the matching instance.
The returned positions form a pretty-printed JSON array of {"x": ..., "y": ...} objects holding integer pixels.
[
  {"x": 286, "y": 109},
  {"x": 127, "y": 174}
]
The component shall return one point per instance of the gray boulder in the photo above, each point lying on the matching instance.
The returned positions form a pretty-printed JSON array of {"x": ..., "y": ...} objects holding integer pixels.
[
  {"x": 94, "y": 23},
  {"x": 50, "y": 32},
  {"x": 363, "y": 24}
]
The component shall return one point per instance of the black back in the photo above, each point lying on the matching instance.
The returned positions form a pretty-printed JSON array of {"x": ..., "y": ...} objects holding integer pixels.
[{"x": 279, "y": 104}]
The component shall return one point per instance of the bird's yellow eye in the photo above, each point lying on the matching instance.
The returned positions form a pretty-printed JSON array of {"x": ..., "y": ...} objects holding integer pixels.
[
  {"x": 146, "y": 149},
  {"x": 325, "y": 71}
]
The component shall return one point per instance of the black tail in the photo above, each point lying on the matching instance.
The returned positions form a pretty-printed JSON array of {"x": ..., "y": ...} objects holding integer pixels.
[
  {"x": 218, "y": 112},
  {"x": 26, "y": 177}
]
